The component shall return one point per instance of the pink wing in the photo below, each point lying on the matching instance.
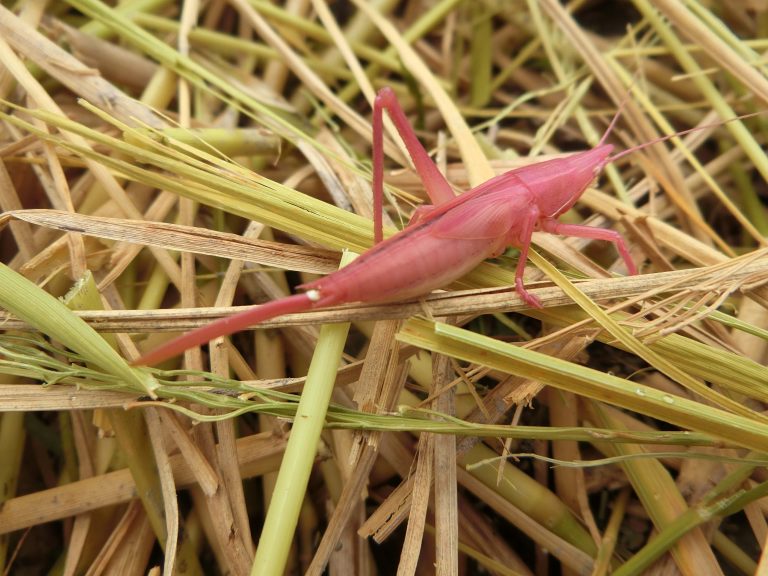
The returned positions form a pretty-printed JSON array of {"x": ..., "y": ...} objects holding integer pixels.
[{"x": 483, "y": 219}]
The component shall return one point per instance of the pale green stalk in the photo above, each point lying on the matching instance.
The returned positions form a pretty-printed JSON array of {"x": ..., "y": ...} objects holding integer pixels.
[
  {"x": 12, "y": 438},
  {"x": 314, "y": 30},
  {"x": 470, "y": 347},
  {"x": 154, "y": 290},
  {"x": 630, "y": 342},
  {"x": 528, "y": 495},
  {"x": 293, "y": 477},
  {"x": 718, "y": 27},
  {"x": 574, "y": 106},
  {"x": 650, "y": 51},
  {"x": 123, "y": 10},
  {"x": 746, "y": 140},
  {"x": 418, "y": 29},
  {"x": 191, "y": 70},
  {"x": 734, "y": 553},
  {"x": 230, "y": 45},
  {"x": 750, "y": 201},
  {"x": 661, "y": 498},
  {"x": 227, "y": 142},
  {"x": 683, "y": 524},
  {"x": 718, "y": 366},
  {"x": 35, "y": 306},
  {"x": 28, "y": 358},
  {"x": 131, "y": 432},
  {"x": 481, "y": 53}
]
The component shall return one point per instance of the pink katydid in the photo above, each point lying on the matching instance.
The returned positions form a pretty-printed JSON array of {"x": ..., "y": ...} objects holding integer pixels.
[{"x": 444, "y": 240}]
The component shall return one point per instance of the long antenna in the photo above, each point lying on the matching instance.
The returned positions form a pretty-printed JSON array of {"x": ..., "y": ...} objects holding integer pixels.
[
  {"x": 676, "y": 134},
  {"x": 615, "y": 118}
]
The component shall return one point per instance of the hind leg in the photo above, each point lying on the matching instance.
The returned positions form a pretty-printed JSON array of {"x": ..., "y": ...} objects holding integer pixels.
[
  {"x": 435, "y": 184},
  {"x": 580, "y": 231}
]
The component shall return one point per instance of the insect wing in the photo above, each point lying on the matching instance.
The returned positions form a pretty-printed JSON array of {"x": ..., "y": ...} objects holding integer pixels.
[{"x": 485, "y": 219}]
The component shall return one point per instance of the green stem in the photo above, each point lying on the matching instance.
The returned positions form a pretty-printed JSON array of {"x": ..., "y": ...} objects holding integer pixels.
[{"x": 293, "y": 477}]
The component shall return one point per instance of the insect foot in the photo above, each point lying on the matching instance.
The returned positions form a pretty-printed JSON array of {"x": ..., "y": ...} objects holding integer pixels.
[{"x": 527, "y": 297}]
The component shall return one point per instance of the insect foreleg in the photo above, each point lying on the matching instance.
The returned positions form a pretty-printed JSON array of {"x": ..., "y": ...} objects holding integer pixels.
[{"x": 554, "y": 227}]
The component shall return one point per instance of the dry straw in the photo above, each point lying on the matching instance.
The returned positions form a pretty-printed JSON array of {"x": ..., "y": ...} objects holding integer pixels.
[{"x": 238, "y": 135}]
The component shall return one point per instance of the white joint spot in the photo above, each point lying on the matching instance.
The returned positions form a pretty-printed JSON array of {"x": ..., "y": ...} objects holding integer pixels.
[{"x": 313, "y": 295}]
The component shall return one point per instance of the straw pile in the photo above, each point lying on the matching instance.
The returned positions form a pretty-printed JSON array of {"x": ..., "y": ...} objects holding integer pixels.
[{"x": 162, "y": 165}]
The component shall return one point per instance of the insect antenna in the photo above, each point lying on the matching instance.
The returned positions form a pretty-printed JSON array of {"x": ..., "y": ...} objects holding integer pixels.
[
  {"x": 629, "y": 151},
  {"x": 615, "y": 118}
]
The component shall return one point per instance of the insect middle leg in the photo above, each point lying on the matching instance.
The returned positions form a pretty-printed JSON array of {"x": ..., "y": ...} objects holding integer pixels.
[{"x": 528, "y": 224}]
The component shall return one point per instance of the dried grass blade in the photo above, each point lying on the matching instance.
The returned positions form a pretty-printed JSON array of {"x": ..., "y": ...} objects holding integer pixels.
[
  {"x": 187, "y": 238},
  {"x": 742, "y": 135},
  {"x": 661, "y": 497},
  {"x": 257, "y": 455},
  {"x": 471, "y": 153},
  {"x": 70, "y": 71},
  {"x": 636, "y": 346},
  {"x": 718, "y": 50}
]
